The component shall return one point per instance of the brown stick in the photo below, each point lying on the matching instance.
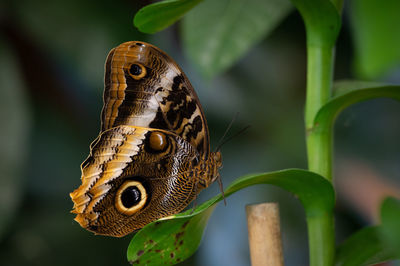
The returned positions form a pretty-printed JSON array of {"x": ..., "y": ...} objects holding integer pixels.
[{"x": 264, "y": 234}]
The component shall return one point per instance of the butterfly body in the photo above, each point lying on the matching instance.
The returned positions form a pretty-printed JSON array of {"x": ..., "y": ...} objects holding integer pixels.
[{"x": 152, "y": 156}]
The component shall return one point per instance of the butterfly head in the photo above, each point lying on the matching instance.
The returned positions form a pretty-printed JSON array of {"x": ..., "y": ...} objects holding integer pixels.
[{"x": 217, "y": 157}]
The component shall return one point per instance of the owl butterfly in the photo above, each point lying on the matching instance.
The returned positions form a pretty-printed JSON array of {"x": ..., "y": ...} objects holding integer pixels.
[{"x": 152, "y": 156}]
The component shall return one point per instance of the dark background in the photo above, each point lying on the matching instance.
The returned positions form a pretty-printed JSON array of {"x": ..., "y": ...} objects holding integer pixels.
[{"x": 52, "y": 57}]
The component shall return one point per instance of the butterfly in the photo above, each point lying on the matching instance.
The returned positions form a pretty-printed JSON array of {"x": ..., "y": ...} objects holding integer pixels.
[{"x": 152, "y": 156}]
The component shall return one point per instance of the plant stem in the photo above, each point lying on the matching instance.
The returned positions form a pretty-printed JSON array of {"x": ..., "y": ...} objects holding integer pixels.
[
  {"x": 319, "y": 83},
  {"x": 322, "y": 22},
  {"x": 321, "y": 239},
  {"x": 319, "y": 149}
]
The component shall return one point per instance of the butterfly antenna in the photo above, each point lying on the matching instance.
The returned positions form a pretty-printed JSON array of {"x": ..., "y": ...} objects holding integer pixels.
[
  {"x": 231, "y": 137},
  {"x": 221, "y": 140}
]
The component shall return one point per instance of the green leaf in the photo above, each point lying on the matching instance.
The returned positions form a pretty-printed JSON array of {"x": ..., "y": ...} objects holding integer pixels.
[
  {"x": 342, "y": 87},
  {"x": 348, "y": 93},
  {"x": 175, "y": 238},
  {"x": 390, "y": 228},
  {"x": 321, "y": 19},
  {"x": 363, "y": 248},
  {"x": 375, "y": 27},
  {"x": 218, "y": 33},
  {"x": 158, "y": 16},
  {"x": 372, "y": 245}
]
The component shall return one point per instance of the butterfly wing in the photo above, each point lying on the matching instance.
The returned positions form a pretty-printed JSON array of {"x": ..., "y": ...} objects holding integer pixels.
[
  {"x": 144, "y": 87},
  {"x": 152, "y": 155},
  {"x": 133, "y": 176}
]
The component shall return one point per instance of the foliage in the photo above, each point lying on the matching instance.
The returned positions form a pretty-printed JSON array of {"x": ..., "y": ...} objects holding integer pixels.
[
  {"x": 375, "y": 244},
  {"x": 363, "y": 248},
  {"x": 376, "y": 40},
  {"x": 205, "y": 36},
  {"x": 158, "y": 16},
  {"x": 216, "y": 34}
]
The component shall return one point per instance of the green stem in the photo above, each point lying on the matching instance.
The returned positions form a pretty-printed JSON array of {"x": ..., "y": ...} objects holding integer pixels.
[
  {"x": 319, "y": 83},
  {"x": 322, "y": 22},
  {"x": 319, "y": 149},
  {"x": 321, "y": 239}
]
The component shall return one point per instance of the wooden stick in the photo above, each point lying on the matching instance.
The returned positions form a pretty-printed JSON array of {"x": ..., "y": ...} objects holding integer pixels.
[{"x": 264, "y": 234}]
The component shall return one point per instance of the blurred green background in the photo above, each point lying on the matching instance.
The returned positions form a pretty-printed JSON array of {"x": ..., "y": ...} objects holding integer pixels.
[{"x": 52, "y": 57}]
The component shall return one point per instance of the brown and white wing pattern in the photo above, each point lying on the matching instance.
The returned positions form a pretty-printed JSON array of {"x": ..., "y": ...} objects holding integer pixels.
[
  {"x": 149, "y": 162},
  {"x": 152, "y": 155},
  {"x": 144, "y": 87}
]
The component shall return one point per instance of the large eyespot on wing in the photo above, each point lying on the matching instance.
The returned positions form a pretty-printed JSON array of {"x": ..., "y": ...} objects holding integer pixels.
[
  {"x": 130, "y": 197},
  {"x": 132, "y": 177},
  {"x": 111, "y": 153}
]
